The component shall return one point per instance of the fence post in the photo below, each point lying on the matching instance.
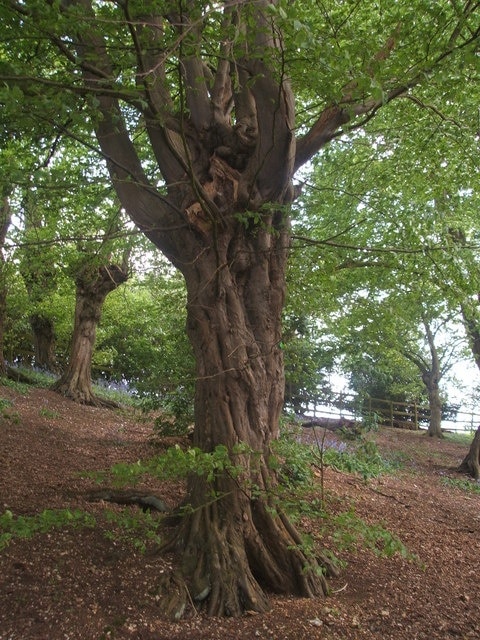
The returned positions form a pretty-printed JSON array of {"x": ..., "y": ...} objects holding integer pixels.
[
  {"x": 391, "y": 413},
  {"x": 415, "y": 410}
]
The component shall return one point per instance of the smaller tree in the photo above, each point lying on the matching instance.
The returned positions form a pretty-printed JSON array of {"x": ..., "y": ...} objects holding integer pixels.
[
  {"x": 93, "y": 283},
  {"x": 432, "y": 371},
  {"x": 142, "y": 339}
]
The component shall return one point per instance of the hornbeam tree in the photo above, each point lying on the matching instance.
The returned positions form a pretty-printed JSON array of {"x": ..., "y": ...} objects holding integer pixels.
[
  {"x": 93, "y": 283},
  {"x": 204, "y": 112}
]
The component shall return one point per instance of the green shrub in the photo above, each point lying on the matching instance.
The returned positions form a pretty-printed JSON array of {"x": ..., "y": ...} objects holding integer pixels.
[
  {"x": 364, "y": 460},
  {"x": 5, "y": 411},
  {"x": 26, "y": 526},
  {"x": 350, "y": 532},
  {"x": 292, "y": 460},
  {"x": 137, "y": 528},
  {"x": 177, "y": 413}
]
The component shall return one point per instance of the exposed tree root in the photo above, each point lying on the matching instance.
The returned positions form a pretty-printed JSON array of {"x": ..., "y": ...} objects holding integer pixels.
[
  {"x": 83, "y": 397},
  {"x": 146, "y": 501},
  {"x": 234, "y": 554}
]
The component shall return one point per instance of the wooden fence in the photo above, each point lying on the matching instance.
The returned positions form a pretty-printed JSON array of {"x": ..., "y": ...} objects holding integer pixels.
[{"x": 405, "y": 415}]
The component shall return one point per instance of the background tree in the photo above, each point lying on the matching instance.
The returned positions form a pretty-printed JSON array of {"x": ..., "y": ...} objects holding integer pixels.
[
  {"x": 141, "y": 338},
  {"x": 224, "y": 141},
  {"x": 308, "y": 364},
  {"x": 39, "y": 268},
  {"x": 5, "y": 218},
  {"x": 94, "y": 281}
]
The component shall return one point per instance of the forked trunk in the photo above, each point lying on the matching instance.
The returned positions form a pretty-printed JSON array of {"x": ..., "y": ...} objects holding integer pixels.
[
  {"x": 93, "y": 286},
  {"x": 235, "y": 542},
  {"x": 431, "y": 375},
  {"x": 228, "y": 161}
]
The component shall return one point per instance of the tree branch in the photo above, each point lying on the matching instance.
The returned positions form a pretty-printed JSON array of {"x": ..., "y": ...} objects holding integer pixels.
[
  {"x": 327, "y": 126},
  {"x": 134, "y": 190},
  {"x": 147, "y": 32},
  {"x": 331, "y": 243},
  {"x": 271, "y": 164}
]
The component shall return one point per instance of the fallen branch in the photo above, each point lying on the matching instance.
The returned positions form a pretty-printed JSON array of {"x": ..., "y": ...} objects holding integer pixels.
[{"x": 146, "y": 501}]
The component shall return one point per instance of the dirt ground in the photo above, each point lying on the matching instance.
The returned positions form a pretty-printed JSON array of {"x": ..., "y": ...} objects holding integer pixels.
[{"x": 81, "y": 584}]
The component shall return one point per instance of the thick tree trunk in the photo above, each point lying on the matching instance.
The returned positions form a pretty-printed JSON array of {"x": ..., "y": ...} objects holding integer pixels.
[
  {"x": 93, "y": 286},
  {"x": 235, "y": 542},
  {"x": 471, "y": 462},
  {"x": 228, "y": 163},
  {"x": 44, "y": 342}
]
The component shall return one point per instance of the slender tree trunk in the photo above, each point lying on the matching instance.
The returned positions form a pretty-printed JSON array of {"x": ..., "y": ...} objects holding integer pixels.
[
  {"x": 471, "y": 462},
  {"x": 5, "y": 219},
  {"x": 431, "y": 377},
  {"x": 3, "y": 306},
  {"x": 93, "y": 286},
  {"x": 435, "y": 403}
]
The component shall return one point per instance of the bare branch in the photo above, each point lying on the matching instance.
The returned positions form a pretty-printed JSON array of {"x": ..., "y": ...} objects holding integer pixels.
[
  {"x": 365, "y": 249},
  {"x": 147, "y": 34}
]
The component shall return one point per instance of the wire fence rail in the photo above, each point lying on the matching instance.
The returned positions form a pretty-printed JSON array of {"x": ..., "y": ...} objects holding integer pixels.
[{"x": 405, "y": 415}]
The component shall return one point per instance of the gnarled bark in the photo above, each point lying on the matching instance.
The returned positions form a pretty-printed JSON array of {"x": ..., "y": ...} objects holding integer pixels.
[
  {"x": 471, "y": 462},
  {"x": 224, "y": 225},
  {"x": 92, "y": 287},
  {"x": 221, "y": 127},
  {"x": 235, "y": 543}
]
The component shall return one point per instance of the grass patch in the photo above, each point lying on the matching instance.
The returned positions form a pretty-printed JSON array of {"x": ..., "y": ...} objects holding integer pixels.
[
  {"x": 296, "y": 460},
  {"x": 6, "y": 411},
  {"x": 464, "y": 484},
  {"x": 364, "y": 460},
  {"x": 461, "y": 437},
  {"x": 48, "y": 413}
]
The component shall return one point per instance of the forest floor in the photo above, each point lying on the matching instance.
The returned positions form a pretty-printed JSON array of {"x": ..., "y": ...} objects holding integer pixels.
[{"x": 79, "y": 583}]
